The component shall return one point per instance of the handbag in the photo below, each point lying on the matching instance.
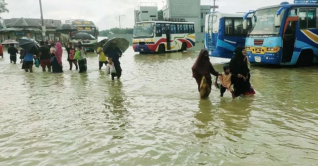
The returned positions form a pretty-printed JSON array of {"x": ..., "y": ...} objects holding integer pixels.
[
  {"x": 37, "y": 63},
  {"x": 112, "y": 69}
]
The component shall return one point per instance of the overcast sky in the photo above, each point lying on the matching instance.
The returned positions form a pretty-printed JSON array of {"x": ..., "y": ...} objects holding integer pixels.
[{"x": 104, "y": 13}]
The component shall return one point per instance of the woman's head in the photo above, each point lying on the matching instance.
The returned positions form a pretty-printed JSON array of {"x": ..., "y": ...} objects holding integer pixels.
[
  {"x": 110, "y": 60},
  {"x": 239, "y": 52}
]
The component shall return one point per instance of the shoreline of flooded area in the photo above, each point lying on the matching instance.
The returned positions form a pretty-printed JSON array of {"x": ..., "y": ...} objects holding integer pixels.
[{"x": 153, "y": 115}]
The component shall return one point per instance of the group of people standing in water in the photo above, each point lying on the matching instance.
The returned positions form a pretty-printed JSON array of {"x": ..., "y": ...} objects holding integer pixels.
[
  {"x": 49, "y": 57},
  {"x": 236, "y": 73}
]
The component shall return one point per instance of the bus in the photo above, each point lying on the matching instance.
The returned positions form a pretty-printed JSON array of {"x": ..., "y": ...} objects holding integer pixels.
[
  {"x": 162, "y": 36},
  {"x": 223, "y": 33},
  {"x": 87, "y": 27},
  {"x": 285, "y": 34}
]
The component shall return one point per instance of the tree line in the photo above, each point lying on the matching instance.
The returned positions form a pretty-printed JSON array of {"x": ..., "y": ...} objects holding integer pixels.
[{"x": 116, "y": 31}]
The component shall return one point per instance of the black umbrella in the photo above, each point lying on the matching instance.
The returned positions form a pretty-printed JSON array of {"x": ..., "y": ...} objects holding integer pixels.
[
  {"x": 29, "y": 45},
  {"x": 83, "y": 35},
  {"x": 66, "y": 28}
]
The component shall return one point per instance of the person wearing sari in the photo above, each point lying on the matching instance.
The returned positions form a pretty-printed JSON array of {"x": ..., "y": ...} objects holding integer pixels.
[
  {"x": 57, "y": 59},
  {"x": 239, "y": 66},
  {"x": 202, "y": 70}
]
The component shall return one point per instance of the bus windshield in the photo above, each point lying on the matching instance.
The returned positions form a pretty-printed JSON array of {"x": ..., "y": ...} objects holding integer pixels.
[
  {"x": 145, "y": 29},
  {"x": 264, "y": 22}
]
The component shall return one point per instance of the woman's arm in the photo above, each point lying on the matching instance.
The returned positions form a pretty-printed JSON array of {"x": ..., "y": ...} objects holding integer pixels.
[{"x": 212, "y": 70}]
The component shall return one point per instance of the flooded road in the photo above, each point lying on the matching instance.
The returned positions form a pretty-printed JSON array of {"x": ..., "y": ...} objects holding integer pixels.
[{"x": 153, "y": 116}]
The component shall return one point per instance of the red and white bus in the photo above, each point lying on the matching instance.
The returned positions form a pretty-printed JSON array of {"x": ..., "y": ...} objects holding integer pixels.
[{"x": 162, "y": 36}]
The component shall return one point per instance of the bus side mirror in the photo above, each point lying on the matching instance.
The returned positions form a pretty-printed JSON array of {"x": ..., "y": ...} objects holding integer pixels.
[
  {"x": 244, "y": 24},
  {"x": 277, "y": 21}
]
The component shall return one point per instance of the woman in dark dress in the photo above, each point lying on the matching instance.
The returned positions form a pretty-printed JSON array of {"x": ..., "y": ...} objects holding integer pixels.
[
  {"x": 241, "y": 73},
  {"x": 57, "y": 59},
  {"x": 202, "y": 70}
]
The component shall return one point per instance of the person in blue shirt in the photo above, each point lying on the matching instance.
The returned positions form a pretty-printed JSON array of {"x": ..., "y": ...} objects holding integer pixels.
[
  {"x": 28, "y": 62},
  {"x": 114, "y": 53}
]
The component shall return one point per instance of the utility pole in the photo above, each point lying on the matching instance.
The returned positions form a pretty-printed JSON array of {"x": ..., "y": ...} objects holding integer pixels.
[
  {"x": 119, "y": 21},
  {"x": 43, "y": 27},
  {"x": 214, "y": 7}
]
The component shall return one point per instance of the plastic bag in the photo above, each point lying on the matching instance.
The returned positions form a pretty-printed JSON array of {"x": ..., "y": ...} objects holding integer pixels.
[
  {"x": 112, "y": 69},
  {"x": 77, "y": 55}
]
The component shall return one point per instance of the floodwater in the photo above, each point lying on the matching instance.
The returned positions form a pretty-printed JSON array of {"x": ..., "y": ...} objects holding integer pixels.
[{"x": 153, "y": 116}]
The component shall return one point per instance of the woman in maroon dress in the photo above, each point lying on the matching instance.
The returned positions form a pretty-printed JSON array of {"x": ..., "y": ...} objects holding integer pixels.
[{"x": 202, "y": 70}]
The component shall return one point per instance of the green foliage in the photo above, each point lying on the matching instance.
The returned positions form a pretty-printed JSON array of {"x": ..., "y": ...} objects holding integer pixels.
[
  {"x": 116, "y": 31},
  {"x": 160, "y": 14},
  {"x": 3, "y": 6}
]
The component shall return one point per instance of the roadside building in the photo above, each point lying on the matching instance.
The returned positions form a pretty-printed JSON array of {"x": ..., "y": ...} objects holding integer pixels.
[
  {"x": 146, "y": 11},
  {"x": 16, "y": 28}
]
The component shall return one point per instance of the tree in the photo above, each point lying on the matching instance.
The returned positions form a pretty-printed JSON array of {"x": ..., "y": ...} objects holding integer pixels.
[
  {"x": 160, "y": 14},
  {"x": 3, "y": 6}
]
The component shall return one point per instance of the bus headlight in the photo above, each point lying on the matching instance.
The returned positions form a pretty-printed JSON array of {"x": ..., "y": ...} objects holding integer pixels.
[
  {"x": 248, "y": 48},
  {"x": 273, "y": 49}
]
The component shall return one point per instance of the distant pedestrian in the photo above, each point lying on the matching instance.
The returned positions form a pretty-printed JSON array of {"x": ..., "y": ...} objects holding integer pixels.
[
  {"x": 1, "y": 50},
  {"x": 81, "y": 57},
  {"x": 45, "y": 57},
  {"x": 12, "y": 51},
  {"x": 57, "y": 59},
  {"x": 28, "y": 62},
  {"x": 102, "y": 57},
  {"x": 22, "y": 54},
  {"x": 70, "y": 55}
]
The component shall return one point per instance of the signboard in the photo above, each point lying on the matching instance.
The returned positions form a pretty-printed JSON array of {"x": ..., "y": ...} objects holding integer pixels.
[{"x": 84, "y": 28}]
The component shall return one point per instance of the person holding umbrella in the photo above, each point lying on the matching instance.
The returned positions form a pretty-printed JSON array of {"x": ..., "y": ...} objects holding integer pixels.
[
  {"x": 32, "y": 48},
  {"x": 114, "y": 53},
  {"x": 1, "y": 50},
  {"x": 28, "y": 61}
]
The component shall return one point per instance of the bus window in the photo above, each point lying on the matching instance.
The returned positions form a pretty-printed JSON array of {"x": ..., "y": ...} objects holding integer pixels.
[
  {"x": 228, "y": 27},
  {"x": 311, "y": 16},
  {"x": 158, "y": 30},
  {"x": 238, "y": 26},
  {"x": 173, "y": 28},
  {"x": 191, "y": 28},
  {"x": 307, "y": 18},
  {"x": 292, "y": 12},
  {"x": 181, "y": 28},
  {"x": 185, "y": 28},
  {"x": 178, "y": 27}
]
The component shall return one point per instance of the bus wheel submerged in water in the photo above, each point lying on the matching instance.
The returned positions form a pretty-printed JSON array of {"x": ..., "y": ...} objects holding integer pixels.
[
  {"x": 306, "y": 58},
  {"x": 161, "y": 48}
]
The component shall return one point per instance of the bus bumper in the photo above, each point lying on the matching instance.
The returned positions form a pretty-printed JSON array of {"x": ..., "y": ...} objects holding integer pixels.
[
  {"x": 144, "y": 48},
  {"x": 267, "y": 58}
]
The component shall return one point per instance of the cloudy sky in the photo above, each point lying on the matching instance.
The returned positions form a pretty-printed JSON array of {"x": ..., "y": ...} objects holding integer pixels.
[{"x": 104, "y": 13}]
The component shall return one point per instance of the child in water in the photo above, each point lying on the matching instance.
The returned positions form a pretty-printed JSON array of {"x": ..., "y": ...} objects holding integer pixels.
[
  {"x": 110, "y": 69},
  {"x": 225, "y": 80}
]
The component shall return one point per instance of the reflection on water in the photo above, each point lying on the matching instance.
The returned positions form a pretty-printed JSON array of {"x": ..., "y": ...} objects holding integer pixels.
[{"x": 153, "y": 116}]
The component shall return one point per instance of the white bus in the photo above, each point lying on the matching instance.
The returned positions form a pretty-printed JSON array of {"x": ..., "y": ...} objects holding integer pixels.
[{"x": 162, "y": 36}]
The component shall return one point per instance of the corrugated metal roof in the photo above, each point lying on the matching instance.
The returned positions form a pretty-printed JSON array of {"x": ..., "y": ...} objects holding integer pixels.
[{"x": 31, "y": 22}]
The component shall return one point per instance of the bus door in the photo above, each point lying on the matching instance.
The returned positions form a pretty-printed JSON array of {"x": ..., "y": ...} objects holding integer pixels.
[
  {"x": 168, "y": 36},
  {"x": 289, "y": 38}
]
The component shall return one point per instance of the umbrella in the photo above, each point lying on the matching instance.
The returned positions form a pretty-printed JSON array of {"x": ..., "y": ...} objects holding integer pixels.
[
  {"x": 29, "y": 45},
  {"x": 66, "y": 28},
  {"x": 99, "y": 44},
  {"x": 83, "y": 35},
  {"x": 9, "y": 42},
  {"x": 121, "y": 43}
]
